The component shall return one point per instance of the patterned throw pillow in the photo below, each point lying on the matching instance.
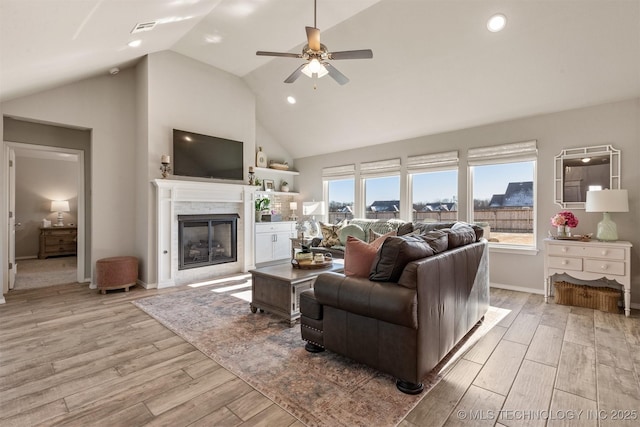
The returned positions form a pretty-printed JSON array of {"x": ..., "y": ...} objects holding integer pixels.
[{"x": 330, "y": 235}]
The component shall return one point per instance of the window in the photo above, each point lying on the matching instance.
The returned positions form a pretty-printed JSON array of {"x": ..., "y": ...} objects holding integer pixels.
[
  {"x": 433, "y": 183},
  {"x": 341, "y": 196},
  {"x": 503, "y": 192},
  {"x": 381, "y": 188},
  {"x": 339, "y": 188}
]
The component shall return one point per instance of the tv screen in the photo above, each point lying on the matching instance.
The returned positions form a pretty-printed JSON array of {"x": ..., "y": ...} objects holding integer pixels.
[{"x": 206, "y": 156}]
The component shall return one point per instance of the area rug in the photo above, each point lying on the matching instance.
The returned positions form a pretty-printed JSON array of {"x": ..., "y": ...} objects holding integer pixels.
[{"x": 322, "y": 389}]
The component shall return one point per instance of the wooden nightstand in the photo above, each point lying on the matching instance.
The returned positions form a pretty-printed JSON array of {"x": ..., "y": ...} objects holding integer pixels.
[
  {"x": 55, "y": 241},
  {"x": 591, "y": 260}
]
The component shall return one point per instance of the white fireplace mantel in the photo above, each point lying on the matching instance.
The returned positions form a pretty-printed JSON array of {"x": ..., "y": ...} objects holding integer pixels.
[{"x": 171, "y": 193}]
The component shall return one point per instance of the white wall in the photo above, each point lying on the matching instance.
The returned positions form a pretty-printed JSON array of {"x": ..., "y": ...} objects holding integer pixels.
[
  {"x": 190, "y": 95},
  {"x": 106, "y": 105},
  {"x": 616, "y": 123}
]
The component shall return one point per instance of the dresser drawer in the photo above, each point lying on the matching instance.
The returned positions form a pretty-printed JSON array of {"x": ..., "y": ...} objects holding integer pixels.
[
  {"x": 604, "y": 252},
  {"x": 604, "y": 266},
  {"x": 574, "y": 264},
  {"x": 273, "y": 227},
  {"x": 566, "y": 250},
  {"x": 58, "y": 240}
]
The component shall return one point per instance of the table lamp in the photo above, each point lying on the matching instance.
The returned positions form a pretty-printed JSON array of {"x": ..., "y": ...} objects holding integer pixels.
[
  {"x": 607, "y": 201},
  {"x": 312, "y": 209},
  {"x": 59, "y": 206},
  {"x": 293, "y": 207}
]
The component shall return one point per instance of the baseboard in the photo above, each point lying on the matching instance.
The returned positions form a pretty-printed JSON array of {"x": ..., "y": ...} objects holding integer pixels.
[
  {"x": 517, "y": 288},
  {"x": 18, "y": 258},
  {"x": 2, "y": 300},
  {"x": 147, "y": 285},
  {"x": 92, "y": 285}
]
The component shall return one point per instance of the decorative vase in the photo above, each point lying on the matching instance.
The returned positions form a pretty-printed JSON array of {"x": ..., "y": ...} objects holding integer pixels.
[
  {"x": 261, "y": 158},
  {"x": 284, "y": 188},
  {"x": 562, "y": 231},
  {"x": 258, "y": 216}
]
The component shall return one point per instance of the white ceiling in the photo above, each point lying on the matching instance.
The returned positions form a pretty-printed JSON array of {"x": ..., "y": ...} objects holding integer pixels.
[{"x": 435, "y": 68}]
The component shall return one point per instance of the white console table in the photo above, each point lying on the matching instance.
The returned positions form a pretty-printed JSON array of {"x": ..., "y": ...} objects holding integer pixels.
[{"x": 590, "y": 260}]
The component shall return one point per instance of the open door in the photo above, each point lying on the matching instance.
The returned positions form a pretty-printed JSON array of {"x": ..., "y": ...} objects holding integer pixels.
[{"x": 12, "y": 219}]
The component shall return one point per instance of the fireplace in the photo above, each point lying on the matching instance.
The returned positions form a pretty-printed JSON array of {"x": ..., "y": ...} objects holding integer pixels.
[{"x": 205, "y": 240}]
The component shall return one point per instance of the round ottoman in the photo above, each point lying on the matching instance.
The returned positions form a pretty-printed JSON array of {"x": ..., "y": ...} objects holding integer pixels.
[{"x": 116, "y": 273}]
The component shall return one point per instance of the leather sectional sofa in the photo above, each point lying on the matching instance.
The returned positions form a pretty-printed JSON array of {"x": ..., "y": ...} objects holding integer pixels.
[{"x": 413, "y": 312}]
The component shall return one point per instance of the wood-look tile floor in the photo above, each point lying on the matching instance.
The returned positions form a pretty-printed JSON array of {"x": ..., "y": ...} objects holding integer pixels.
[{"x": 70, "y": 356}]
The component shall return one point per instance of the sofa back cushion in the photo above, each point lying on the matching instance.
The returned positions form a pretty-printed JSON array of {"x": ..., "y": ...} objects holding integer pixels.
[
  {"x": 359, "y": 255},
  {"x": 437, "y": 239},
  {"x": 460, "y": 234},
  {"x": 395, "y": 253}
]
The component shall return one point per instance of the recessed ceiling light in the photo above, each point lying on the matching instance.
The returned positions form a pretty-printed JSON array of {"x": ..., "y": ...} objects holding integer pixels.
[
  {"x": 291, "y": 99},
  {"x": 497, "y": 23},
  {"x": 135, "y": 43}
]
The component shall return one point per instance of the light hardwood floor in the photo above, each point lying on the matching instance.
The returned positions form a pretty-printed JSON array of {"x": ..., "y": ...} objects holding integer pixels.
[{"x": 69, "y": 356}]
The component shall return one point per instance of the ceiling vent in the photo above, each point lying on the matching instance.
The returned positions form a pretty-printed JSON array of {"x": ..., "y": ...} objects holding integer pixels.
[{"x": 144, "y": 26}]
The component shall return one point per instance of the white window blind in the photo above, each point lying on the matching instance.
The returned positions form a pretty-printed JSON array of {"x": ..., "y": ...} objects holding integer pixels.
[
  {"x": 379, "y": 168},
  {"x": 339, "y": 172},
  {"x": 505, "y": 153},
  {"x": 435, "y": 161}
]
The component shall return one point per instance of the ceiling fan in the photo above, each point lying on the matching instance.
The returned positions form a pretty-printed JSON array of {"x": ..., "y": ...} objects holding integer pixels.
[{"x": 317, "y": 56}]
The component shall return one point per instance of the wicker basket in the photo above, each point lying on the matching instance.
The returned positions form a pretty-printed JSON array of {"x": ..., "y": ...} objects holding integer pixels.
[{"x": 598, "y": 298}]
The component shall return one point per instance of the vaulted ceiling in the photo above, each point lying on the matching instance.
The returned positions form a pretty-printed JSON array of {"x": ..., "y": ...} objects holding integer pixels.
[{"x": 435, "y": 67}]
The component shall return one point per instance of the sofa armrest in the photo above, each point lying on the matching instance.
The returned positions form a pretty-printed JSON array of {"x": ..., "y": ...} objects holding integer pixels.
[{"x": 384, "y": 301}]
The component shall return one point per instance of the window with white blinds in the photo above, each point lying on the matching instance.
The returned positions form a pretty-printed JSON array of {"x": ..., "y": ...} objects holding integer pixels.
[
  {"x": 505, "y": 153},
  {"x": 432, "y": 162},
  {"x": 339, "y": 172},
  {"x": 380, "y": 168}
]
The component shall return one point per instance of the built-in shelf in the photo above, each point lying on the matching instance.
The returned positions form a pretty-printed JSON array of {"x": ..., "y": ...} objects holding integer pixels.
[
  {"x": 278, "y": 193},
  {"x": 277, "y": 171}
]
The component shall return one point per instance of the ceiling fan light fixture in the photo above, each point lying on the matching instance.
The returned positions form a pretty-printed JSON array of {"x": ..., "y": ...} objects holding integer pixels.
[{"x": 314, "y": 67}]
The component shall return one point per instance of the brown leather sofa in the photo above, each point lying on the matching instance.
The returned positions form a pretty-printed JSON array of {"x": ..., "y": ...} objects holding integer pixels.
[{"x": 404, "y": 327}]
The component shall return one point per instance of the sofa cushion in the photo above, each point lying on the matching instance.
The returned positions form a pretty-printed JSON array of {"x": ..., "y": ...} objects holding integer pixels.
[
  {"x": 330, "y": 234},
  {"x": 373, "y": 236},
  {"x": 395, "y": 253},
  {"x": 460, "y": 235},
  {"x": 350, "y": 230},
  {"x": 437, "y": 239},
  {"x": 359, "y": 255}
]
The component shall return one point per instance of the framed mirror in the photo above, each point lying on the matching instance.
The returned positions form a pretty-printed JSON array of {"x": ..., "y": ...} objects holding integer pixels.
[{"x": 578, "y": 170}]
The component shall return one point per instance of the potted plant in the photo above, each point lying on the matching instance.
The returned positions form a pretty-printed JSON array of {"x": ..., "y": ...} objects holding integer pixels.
[
  {"x": 261, "y": 205},
  {"x": 284, "y": 186}
]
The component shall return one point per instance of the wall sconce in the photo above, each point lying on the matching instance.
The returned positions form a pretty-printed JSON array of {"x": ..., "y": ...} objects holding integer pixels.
[
  {"x": 165, "y": 167},
  {"x": 60, "y": 206}
]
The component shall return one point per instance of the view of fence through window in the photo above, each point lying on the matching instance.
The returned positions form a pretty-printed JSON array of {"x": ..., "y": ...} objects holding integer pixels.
[{"x": 503, "y": 199}]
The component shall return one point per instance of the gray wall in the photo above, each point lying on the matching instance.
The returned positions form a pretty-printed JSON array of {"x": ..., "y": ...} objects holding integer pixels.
[
  {"x": 38, "y": 181},
  {"x": 616, "y": 123}
]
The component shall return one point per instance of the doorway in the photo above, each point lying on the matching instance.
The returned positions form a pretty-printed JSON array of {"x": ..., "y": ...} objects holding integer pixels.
[{"x": 46, "y": 203}]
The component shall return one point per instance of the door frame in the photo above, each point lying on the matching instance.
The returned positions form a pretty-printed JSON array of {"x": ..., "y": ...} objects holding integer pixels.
[{"x": 11, "y": 146}]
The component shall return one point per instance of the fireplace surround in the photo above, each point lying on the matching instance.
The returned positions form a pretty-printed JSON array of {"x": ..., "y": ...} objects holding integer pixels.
[{"x": 176, "y": 198}]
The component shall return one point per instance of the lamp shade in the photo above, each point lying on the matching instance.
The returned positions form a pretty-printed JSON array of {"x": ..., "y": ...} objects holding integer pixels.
[
  {"x": 293, "y": 206},
  {"x": 60, "y": 206},
  {"x": 313, "y": 208},
  {"x": 607, "y": 201}
]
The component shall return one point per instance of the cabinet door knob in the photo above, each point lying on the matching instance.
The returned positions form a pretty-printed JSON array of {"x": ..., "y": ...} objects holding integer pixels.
[
  {"x": 565, "y": 249},
  {"x": 565, "y": 262},
  {"x": 604, "y": 252},
  {"x": 603, "y": 267}
]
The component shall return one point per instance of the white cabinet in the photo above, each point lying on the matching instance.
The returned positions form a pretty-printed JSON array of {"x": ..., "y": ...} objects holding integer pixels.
[
  {"x": 591, "y": 260},
  {"x": 273, "y": 240}
]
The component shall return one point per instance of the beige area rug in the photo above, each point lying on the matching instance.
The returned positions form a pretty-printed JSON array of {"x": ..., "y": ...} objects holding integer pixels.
[
  {"x": 40, "y": 273},
  {"x": 322, "y": 389}
]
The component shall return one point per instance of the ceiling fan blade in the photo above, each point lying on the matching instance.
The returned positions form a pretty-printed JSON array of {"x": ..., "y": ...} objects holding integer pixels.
[
  {"x": 294, "y": 76},
  {"x": 283, "y": 54},
  {"x": 313, "y": 38},
  {"x": 352, "y": 54},
  {"x": 335, "y": 74}
]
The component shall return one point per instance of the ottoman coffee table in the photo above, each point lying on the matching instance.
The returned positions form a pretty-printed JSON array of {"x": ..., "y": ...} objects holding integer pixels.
[{"x": 277, "y": 288}]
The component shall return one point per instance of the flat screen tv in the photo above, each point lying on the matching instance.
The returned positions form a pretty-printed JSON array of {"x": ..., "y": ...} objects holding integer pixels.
[{"x": 206, "y": 156}]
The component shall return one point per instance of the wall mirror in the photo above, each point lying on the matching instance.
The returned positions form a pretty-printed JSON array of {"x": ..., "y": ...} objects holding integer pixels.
[{"x": 578, "y": 170}]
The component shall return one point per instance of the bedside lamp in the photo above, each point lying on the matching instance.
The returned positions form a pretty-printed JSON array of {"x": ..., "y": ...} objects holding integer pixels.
[
  {"x": 607, "y": 201},
  {"x": 59, "y": 206}
]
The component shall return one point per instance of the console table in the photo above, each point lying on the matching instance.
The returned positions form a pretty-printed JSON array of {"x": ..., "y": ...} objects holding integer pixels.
[{"x": 592, "y": 260}]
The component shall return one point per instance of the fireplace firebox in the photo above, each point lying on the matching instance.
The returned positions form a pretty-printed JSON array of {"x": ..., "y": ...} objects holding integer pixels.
[{"x": 205, "y": 240}]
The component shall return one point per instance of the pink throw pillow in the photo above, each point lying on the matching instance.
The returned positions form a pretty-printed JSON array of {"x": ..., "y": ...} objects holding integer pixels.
[{"x": 359, "y": 255}]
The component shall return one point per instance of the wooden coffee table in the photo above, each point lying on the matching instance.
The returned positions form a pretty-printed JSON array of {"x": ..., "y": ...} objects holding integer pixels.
[{"x": 277, "y": 288}]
